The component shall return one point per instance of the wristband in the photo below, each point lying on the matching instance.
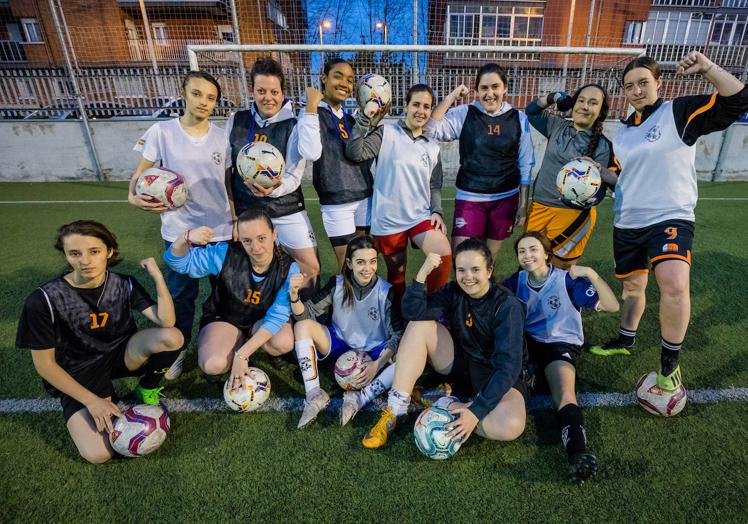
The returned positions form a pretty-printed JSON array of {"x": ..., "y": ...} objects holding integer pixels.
[
  {"x": 187, "y": 238},
  {"x": 298, "y": 299},
  {"x": 245, "y": 359}
]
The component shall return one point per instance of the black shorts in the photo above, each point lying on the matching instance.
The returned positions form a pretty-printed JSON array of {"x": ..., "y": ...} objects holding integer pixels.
[
  {"x": 541, "y": 353},
  {"x": 98, "y": 379},
  {"x": 469, "y": 376},
  {"x": 634, "y": 250}
]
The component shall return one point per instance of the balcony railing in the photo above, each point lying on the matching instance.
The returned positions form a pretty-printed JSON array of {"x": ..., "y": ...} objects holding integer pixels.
[
  {"x": 733, "y": 57},
  {"x": 11, "y": 51},
  {"x": 175, "y": 49}
]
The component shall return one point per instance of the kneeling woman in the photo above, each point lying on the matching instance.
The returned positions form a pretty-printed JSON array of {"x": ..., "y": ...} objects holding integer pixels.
[
  {"x": 484, "y": 350},
  {"x": 553, "y": 324},
  {"x": 358, "y": 305},
  {"x": 248, "y": 308},
  {"x": 82, "y": 332}
]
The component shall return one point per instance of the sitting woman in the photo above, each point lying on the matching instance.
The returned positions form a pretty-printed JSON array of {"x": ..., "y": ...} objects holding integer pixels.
[
  {"x": 82, "y": 332},
  {"x": 483, "y": 351},
  {"x": 248, "y": 308},
  {"x": 358, "y": 307}
]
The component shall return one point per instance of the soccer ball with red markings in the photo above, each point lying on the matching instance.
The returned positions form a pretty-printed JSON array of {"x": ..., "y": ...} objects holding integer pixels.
[
  {"x": 657, "y": 400},
  {"x": 260, "y": 163},
  {"x": 162, "y": 185},
  {"x": 374, "y": 93},
  {"x": 578, "y": 182},
  {"x": 253, "y": 392},
  {"x": 349, "y": 367},
  {"x": 140, "y": 430}
]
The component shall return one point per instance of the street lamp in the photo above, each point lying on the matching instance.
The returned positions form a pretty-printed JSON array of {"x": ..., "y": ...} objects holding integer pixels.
[
  {"x": 326, "y": 24},
  {"x": 382, "y": 25}
]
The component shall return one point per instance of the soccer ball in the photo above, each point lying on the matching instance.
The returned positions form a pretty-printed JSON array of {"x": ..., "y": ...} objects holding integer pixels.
[
  {"x": 658, "y": 401},
  {"x": 349, "y": 367},
  {"x": 140, "y": 430},
  {"x": 430, "y": 431},
  {"x": 164, "y": 185},
  {"x": 260, "y": 163},
  {"x": 578, "y": 182},
  {"x": 254, "y": 391},
  {"x": 374, "y": 93}
]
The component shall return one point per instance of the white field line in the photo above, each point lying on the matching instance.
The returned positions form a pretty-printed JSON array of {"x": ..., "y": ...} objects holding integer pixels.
[
  {"x": 124, "y": 201},
  {"x": 280, "y": 405}
]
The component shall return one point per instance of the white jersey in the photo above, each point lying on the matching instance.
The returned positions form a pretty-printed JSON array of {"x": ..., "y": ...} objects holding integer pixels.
[
  {"x": 551, "y": 315},
  {"x": 361, "y": 325},
  {"x": 201, "y": 161},
  {"x": 402, "y": 178},
  {"x": 657, "y": 181}
]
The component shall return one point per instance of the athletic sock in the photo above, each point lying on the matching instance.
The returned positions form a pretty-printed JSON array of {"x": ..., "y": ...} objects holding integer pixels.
[
  {"x": 439, "y": 276},
  {"x": 379, "y": 385},
  {"x": 571, "y": 422},
  {"x": 156, "y": 367},
  {"x": 669, "y": 356},
  {"x": 627, "y": 337},
  {"x": 398, "y": 402},
  {"x": 306, "y": 353}
]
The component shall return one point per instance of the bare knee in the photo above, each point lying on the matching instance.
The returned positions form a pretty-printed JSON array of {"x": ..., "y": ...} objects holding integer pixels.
[
  {"x": 95, "y": 456},
  {"x": 212, "y": 365},
  {"x": 509, "y": 429},
  {"x": 673, "y": 289},
  {"x": 634, "y": 288},
  {"x": 281, "y": 343},
  {"x": 171, "y": 339}
]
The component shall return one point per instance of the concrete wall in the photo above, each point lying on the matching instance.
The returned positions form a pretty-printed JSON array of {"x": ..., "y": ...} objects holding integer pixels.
[{"x": 42, "y": 150}]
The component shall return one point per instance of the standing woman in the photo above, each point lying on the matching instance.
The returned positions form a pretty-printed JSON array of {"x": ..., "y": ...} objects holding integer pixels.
[
  {"x": 554, "y": 299},
  {"x": 248, "y": 308},
  {"x": 407, "y": 188},
  {"x": 656, "y": 195},
  {"x": 343, "y": 186},
  {"x": 496, "y": 159},
  {"x": 271, "y": 119},
  {"x": 568, "y": 227},
  {"x": 483, "y": 350},
  {"x": 82, "y": 334},
  {"x": 194, "y": 148}
]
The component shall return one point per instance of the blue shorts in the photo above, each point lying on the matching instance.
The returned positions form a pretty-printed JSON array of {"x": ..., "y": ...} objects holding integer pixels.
[{"x": 338, "y": 347}]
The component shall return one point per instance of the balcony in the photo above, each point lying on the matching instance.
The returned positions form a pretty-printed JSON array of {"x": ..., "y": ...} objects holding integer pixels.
[
  {"x": 175, "y": 49},
  {"x": 729, "y": 57},
  {"x": 11, "y": 51}
]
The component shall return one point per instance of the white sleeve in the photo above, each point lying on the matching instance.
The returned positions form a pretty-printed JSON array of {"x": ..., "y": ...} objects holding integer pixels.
[
  {"x": 310, "y": 140},
  {"x": 448, "y": 128},
  {"x": 526, "y": 159},
  {"x": 149, "y": 145},
  {"x": 227, "y": 130},
  {"x": 295, "y": 166}
]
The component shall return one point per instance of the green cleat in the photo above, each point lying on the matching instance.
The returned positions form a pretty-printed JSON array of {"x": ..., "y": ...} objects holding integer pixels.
[
  {"x": 670, "y": 382},
  {"x": 148, "y": 396},
  {"x": 611, "y": 348}
]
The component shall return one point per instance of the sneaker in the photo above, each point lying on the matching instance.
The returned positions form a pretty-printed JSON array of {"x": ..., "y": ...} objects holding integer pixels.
[
  {"x": 176, "y": 368},
  {"x": 582, "y": 466},
  {"x": 148, "y": 396},
  {"x": 351, "y": 406},
  {"x": 612, "y": 347},
  {"x": 426, "y": 397},
  {"x": 670, "y": 382},
  {"x": 316, "y": 402},
  {"x": 378, "y": 435}
]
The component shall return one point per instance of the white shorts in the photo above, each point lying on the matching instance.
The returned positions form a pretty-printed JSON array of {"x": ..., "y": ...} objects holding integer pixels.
[
  {"x": 342, "y": 219},
  {"x": 295, "y": 231}
]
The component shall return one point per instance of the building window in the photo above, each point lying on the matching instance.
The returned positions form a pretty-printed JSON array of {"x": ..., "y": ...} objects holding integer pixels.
[
  {"x": 160, "y": 31},
  {"x": 31, "y": 30},
  {"x": 632, "y": 32},
  {"x": 679, "y": 28},
  {"x": 226, "y": 33},
  {"x": 500, "y": 25},
  {"x": 729, "y": 30},
  {"x": 276, "y": 15}
]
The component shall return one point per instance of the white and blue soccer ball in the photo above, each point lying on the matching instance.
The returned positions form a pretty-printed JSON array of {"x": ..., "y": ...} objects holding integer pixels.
[
  {"x": 578, "y": 182},
  {"x": 140, "y": 430},
  {"x": 374, "y": 93},
  {"x": 658, "y": 401},
  {"x": 163, "y": 185},
  {"x": 348, "y": 368},
  {"x": 430, "y": 431},
  {"x": 253, "y": 392},
  {"x": 260, "y": 163}
]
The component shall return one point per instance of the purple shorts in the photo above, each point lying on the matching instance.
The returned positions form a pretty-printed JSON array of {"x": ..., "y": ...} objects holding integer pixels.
[
  {"x": 492, "y": 220},
  {"x": 338, "y": 347}
]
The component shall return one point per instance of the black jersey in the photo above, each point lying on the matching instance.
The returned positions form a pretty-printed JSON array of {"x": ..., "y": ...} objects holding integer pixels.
[
  {"x": 84, "y": 326},
  {"x": 244, "y": 131},
  {"x": 337, "y": 179},
  {"x": 489, "y": 152},
  {"x": 489, "y": 330},
  {"x": 237, "y": 298}
]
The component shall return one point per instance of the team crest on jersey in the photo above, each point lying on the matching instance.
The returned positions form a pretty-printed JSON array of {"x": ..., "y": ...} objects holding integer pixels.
[
  {"x": 670, "y": 248},
  {"x": 554, "y": 302},
  {"x": 460, "y": 222},
  {"x": 654, "y": 134},
  {"x": 217, "y": 157},
  {"x": 373, "y": 313},
  {"x": 311, "y": 236},
  {"x": 425, "y": 159}
]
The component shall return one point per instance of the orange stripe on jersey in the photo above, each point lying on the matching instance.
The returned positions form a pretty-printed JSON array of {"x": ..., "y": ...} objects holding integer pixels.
[
  {"x": 703, "y": 109},
  {"x": 635, "y": 272},
  {"x": 617, "y": 164}
]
